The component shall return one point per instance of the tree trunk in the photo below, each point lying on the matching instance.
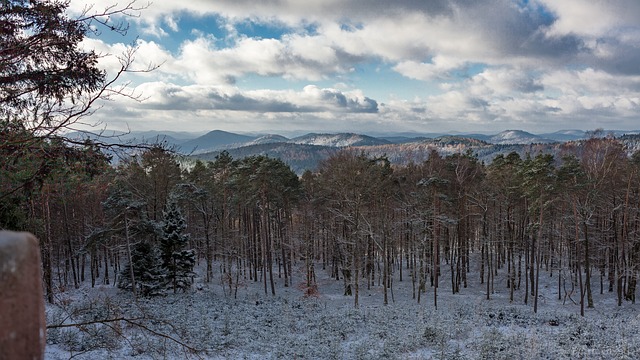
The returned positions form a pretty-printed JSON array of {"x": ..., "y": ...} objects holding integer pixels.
[
  {"x": 587, "y": 265},
  {"x": 47, "y": 252},
  {"x": 385, "y": 276},
  {"x": 537, "y": 280},
  {"x": 126, "y": 236}
]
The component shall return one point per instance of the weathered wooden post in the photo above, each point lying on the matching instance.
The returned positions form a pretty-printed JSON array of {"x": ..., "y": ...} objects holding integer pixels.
[{"x": 22, "y": 323}]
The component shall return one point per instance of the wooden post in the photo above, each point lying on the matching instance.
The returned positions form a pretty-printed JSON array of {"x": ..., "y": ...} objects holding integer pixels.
[{"x": 22, "y": 322}]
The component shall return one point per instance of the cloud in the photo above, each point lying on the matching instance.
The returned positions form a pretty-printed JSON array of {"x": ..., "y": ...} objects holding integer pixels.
[
  {"x": 167, "y": 96},
  {"x": 292, "y": 12},
  {"x": 204, "y": 63},
  {"x": 504, "y": 82},
  {"x": 486, "y": 64},
  {"x": 423, "y": 40},
  {"x": 591, "y": 18},
  {"x": 439, "y": 67}
]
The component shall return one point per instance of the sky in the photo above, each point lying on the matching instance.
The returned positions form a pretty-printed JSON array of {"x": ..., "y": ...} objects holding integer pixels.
[{"x": 376, "y": 66}]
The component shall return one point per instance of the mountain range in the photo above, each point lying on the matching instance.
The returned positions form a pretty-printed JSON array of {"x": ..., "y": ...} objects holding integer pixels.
[{"x": 304, "y": 152}]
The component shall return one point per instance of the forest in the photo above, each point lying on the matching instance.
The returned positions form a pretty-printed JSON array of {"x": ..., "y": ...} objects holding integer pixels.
[
  {"x": 157, "y": 224},
  {"x": 143, "y": 225}
]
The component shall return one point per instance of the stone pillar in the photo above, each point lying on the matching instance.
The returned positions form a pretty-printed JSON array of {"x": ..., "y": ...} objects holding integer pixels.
[{"x": 22, "y": 322}]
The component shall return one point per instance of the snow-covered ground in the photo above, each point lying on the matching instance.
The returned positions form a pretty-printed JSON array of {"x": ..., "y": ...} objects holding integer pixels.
[{"x": 215, "y": 325}]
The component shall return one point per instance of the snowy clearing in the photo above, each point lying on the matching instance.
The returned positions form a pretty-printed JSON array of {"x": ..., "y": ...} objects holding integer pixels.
[{"x": 290, "y": 325}]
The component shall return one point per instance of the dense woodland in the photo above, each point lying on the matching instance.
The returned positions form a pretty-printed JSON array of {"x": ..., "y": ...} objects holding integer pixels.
[{"x": 364, "y": 220}]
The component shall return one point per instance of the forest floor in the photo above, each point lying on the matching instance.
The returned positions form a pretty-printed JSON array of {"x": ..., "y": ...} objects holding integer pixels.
[{"x": 208, "y": 322}]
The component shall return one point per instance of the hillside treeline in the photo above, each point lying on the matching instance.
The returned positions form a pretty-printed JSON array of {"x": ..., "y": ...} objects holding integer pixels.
[{"x": 143, "y": 224}]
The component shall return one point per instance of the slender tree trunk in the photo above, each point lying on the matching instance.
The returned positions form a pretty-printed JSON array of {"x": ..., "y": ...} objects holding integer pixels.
[
  {"x": 47, "y": 252},
  {"x": 385, "y": 276},
  {"x": 269, "y": 241},
  {"x": 106, "y": 265},
  {"x": 526, "y": 277},
  {"x": 487, "y": 259},
  {"x": 483, "y": 257},
  {"x": 582, "y": 292},
  {"x": 92, "y": 264},
  {"x": 537, "y": 280},
  {"x": 578, "y": 269},
  {"x": 532, "y": 264},
  {"x": 485, "y": 253},
  {"x": 282, "y": 249},
  {"x": 356, "y": 279},
  {"x": 208, "y": 251},
  {"x": 133, "y": 279},
  {"x": 436, "y": 254},
  {"x": 587, "y": 265},
  {"x": 512, "y": 268},
  {"x": 69, "y": 245}
]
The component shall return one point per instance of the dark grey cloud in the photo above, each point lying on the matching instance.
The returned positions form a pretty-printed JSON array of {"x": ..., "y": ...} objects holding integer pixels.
[
  {"x": 537, "y": 45},
  {"x": 521, "y": 31},
  {"x": 331, "y": 101},
  {"x": 341, "y": 101},
  {"x": 239, "y": 102},
  {"x": 528, "y": 85},
  {"x": 623, "y": 60},
  {"x": 173, "y": 97}
]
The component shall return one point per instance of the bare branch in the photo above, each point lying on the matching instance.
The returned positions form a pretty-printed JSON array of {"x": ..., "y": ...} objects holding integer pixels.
[{"x": 105, "y": 17}]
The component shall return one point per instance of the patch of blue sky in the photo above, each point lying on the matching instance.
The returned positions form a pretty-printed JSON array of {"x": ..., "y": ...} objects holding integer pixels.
[
  {"x": 196, "y": 26},
  {"x": 348, "y": 26},
  {"x": 468, "y": 71},
  {"x": 226, "y": 30},
  {"x": 377, "y": 81},
  {"x": 189, "y": 27},
  {"x": 542, "y": 12},
  {"x": 310, "y": 29},
  {"x": 262, "y": 30},
  {"x": 382, "y": 83}
]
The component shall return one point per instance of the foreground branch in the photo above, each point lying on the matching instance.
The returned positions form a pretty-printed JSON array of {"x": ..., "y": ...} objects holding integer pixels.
[{"x": 133, "y": 322}]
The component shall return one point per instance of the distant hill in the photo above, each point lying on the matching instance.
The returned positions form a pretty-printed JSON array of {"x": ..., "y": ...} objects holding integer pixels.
[
  {"x": 338, "y": 140},
  {"x": 268, "y": 139},
  {"x": 517, "y": 137},
  {"x": 214, "y": 140},
  {"x": 303, "y": 157},
  {"x": 404, "y": 139},
  {"x": 299, "y": 157},
  {"x": 180, "y": 136},
  {"x": 456, "y": 140},
  {"x": 565, "y": 135},
  {"x": 307, "y": 151}
]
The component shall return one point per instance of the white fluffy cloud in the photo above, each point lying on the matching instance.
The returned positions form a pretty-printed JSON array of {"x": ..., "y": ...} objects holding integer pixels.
[{"x": 592, "y": 18}]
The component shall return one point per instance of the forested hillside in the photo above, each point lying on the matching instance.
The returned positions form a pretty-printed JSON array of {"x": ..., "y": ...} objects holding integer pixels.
[{"x": 303, "y": 157}]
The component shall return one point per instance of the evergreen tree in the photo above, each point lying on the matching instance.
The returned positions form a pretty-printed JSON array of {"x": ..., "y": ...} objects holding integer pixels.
[
  {"x": 147, "y": 269},
  {"x": 176, "y": 260}
]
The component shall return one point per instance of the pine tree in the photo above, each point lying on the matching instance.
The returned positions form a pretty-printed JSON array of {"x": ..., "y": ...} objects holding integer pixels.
[
  {"x": 147, "y": 269},
  {"x": 177, "y": 260}
]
